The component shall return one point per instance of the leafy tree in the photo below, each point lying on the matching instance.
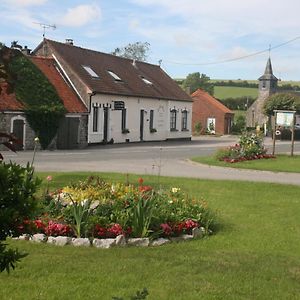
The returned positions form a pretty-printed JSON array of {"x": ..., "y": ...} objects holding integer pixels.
[
  {"x": 281, "y": 102},
  {"x": 1, "y": 45},
  {"x": 137, "y": 50},
  {"x": 196, "y": 81}
]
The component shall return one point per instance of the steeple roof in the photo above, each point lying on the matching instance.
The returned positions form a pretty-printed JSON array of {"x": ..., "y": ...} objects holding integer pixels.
[{"x": 268, "y": 75}]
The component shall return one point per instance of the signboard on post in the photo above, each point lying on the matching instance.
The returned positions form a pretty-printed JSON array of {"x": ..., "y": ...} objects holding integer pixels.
[{"x": 284, "y": 119}]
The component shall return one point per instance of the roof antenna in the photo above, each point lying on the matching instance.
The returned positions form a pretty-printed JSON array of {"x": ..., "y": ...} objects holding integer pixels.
[
  {"x": 45, "y": 26},
  {"x": 159, "y": 62}
]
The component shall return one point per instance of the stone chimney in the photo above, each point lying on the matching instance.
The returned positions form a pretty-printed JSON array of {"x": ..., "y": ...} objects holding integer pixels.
[{"x": 26, "y": 51}]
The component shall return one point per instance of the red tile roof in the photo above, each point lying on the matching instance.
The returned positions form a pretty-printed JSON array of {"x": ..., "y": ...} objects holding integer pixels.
[
  {"x": 70, "y": 100},
  {"x": 201, "y": 95},
  {"x": 131, "y": 74},
  {"x": 8, "y": 101}
]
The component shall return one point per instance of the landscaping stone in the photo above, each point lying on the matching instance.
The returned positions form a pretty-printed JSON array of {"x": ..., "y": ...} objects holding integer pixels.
[
  {"x": 160, "y": 242},
  {"x": 63, "y": 240},
  {"x": 120, "y": 240},
  {"x": 51, "y": 240},
  {"x": 39, "y": 237},
  {"x": 81, "y": 242},
  {"x": 197, "y": 232},
  {"x": 139, "y": 242},
  {"x": 24, "y": 237},
  {"x": 104, "y": 243}
]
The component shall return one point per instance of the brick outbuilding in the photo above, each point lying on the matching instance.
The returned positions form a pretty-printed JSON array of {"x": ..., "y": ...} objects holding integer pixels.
[{"x": 213, "y": 116}]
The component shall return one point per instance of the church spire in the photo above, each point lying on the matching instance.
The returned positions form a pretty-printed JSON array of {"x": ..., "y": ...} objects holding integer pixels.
[
  {"x": 268, "y": 82},
  {"x": 269, "y": 70}
]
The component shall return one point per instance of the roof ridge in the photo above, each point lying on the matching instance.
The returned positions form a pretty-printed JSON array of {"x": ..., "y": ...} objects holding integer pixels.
[{"x": 109, "y": 54}]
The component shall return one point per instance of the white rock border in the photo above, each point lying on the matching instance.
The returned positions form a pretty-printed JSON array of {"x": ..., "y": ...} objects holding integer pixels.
[{"x": 119, "y": 241}]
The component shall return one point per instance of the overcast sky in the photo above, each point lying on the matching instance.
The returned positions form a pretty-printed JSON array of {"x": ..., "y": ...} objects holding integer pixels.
[{"x": 185, "y": 34}]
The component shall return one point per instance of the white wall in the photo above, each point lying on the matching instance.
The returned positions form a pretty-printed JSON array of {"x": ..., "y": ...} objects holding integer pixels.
[{"x": 133, "y": 106}]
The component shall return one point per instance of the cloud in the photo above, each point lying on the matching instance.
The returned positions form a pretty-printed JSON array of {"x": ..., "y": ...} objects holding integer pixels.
[
  {"x": 81, "y": 15},
  {"x": 24, "y": 3}
]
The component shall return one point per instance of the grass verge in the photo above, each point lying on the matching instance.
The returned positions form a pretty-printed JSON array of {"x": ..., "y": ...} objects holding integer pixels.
[
  {"x": 255, "y": 255},
  {"x": 282, "y": 163}
]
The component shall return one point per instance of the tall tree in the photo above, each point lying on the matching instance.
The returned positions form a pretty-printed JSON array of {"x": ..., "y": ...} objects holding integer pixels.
[
  {"x": 137, "y": 50},
  {"x": 196, "y": 81},
  {"x": 284, "y": 101},
  {"x": 1, "y": 45}
]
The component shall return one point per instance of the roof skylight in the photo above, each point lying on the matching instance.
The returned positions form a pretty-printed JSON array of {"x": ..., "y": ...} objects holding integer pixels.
[
  {"x": 91, "y": 71},
  {"x": 146, "y": 81},
  {"x": 114, "y": 75}
]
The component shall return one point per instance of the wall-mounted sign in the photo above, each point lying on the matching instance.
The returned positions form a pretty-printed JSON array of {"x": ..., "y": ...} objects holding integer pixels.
[{"x": 119, "y": 105}]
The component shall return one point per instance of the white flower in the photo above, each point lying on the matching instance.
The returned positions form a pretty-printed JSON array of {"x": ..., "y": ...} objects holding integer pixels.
[
  {"x": 170, "y": 201},
  {"x": 175, "y": 190}
]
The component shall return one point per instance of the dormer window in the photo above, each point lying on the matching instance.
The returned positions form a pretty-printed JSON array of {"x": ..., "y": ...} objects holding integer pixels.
[
  {"x": 91, "y": 71},
  {"x": 146, "y": 81},
  {"x": 114, "y": 75}
]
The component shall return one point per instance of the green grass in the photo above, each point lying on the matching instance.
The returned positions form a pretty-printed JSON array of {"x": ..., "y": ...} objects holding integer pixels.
[
  {"x": 282, "y": 163},
  {"x": 255, "y": 255},
  {"x": 223, "y": 92}
]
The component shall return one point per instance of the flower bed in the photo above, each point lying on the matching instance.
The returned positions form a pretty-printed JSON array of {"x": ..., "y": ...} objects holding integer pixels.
[
  {"x": 250, "y": 147},
  {"x": 96, "y": 209}
]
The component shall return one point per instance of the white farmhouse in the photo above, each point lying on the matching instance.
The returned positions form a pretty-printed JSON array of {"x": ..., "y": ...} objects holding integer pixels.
[{"x": 127, "y": 100}]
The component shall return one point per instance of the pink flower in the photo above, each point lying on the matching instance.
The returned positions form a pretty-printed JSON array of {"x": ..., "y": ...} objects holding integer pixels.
[
  {"x": 167, "y": 230},
  {"x": 190, "y": 224},
  {"x": 49, "y": 178}
]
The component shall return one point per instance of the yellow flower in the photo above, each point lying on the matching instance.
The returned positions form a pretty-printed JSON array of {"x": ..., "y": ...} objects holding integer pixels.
[{"x": 175, "y": 190}]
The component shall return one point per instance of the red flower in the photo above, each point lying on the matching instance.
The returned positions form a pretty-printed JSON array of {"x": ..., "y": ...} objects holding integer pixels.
[
  {"x": 140, "y": 181},
  {"x": 145, "y": 188},
  {"x": 190, "y": 224},
  {"x": 100, "y": 231},
  {"x": 167, "y": 230},
  {"x": 56, "y": 229},
  {"x": 115, "y": 230}
]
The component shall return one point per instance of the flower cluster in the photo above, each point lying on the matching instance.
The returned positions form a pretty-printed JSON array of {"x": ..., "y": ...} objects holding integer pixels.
[
  {"x": 105, "y": 210},
  {"x": 250, "y": 147},
  {"x": 57, "y": 229}
]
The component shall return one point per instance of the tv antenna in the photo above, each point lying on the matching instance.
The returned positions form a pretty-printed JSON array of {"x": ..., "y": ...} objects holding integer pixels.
[{"x": 45, "y": 26}]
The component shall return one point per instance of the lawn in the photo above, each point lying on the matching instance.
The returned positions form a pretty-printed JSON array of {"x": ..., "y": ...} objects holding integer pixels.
[
  {"x": 282, "y": 163},
  {"x": 223, "y": 92},
  {"x": 254, "y": 255}
]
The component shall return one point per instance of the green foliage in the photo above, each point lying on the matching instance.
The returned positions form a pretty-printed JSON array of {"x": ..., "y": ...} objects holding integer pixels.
[
  {"x": 238, "y": 103},
  {"x": 137, "y": 50},
  {"x": 1, "y": 45},
  {"x": 43, "y": 106},
  {"x": 142, "y": 215},
  {"x": 17, "y": 202},
  {"x": 196, "y": 81},
  {"x": 197, "y": 128},
  {"x": 9, "y": 257},
  {"x": 283, "y": 101},
  {"x": 239, "y": 124}
]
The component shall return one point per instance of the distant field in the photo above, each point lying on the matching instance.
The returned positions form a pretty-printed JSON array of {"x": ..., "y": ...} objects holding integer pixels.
[
  {"x": 223, "y": 92},
  {"x": 281, "y": 82}
]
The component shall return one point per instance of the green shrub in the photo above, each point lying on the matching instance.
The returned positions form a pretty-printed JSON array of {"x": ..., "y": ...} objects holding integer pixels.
[{"x": 17, "y": 203}]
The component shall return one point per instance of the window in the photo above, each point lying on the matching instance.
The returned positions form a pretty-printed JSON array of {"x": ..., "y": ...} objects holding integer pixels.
[
  {"x": 123, "y": 121},
  {"x": 114, "y": 75},
  {"x": 151, "y": 121},
  {"x": 146, "y": 80},
  {"x": 91, "y": 71},
  {"x": 173, "y": 117},
  {"x": 184, "y": 115},
  {"x": 263, "y": 84},
  {"x": 95, "y": 118}
]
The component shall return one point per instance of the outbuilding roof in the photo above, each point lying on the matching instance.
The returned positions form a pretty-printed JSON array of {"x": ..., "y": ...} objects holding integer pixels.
[
  {"x": 109, "y": 74},
  {"x": 70, "y": 100},
  {"x": 201, "y": 95}
]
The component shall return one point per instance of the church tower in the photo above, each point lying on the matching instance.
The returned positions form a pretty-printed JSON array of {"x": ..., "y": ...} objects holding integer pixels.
[{"x": 266, "y": 87}]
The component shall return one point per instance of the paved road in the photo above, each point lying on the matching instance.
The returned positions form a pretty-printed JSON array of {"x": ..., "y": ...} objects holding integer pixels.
[{"x": 164, "y": 158}]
